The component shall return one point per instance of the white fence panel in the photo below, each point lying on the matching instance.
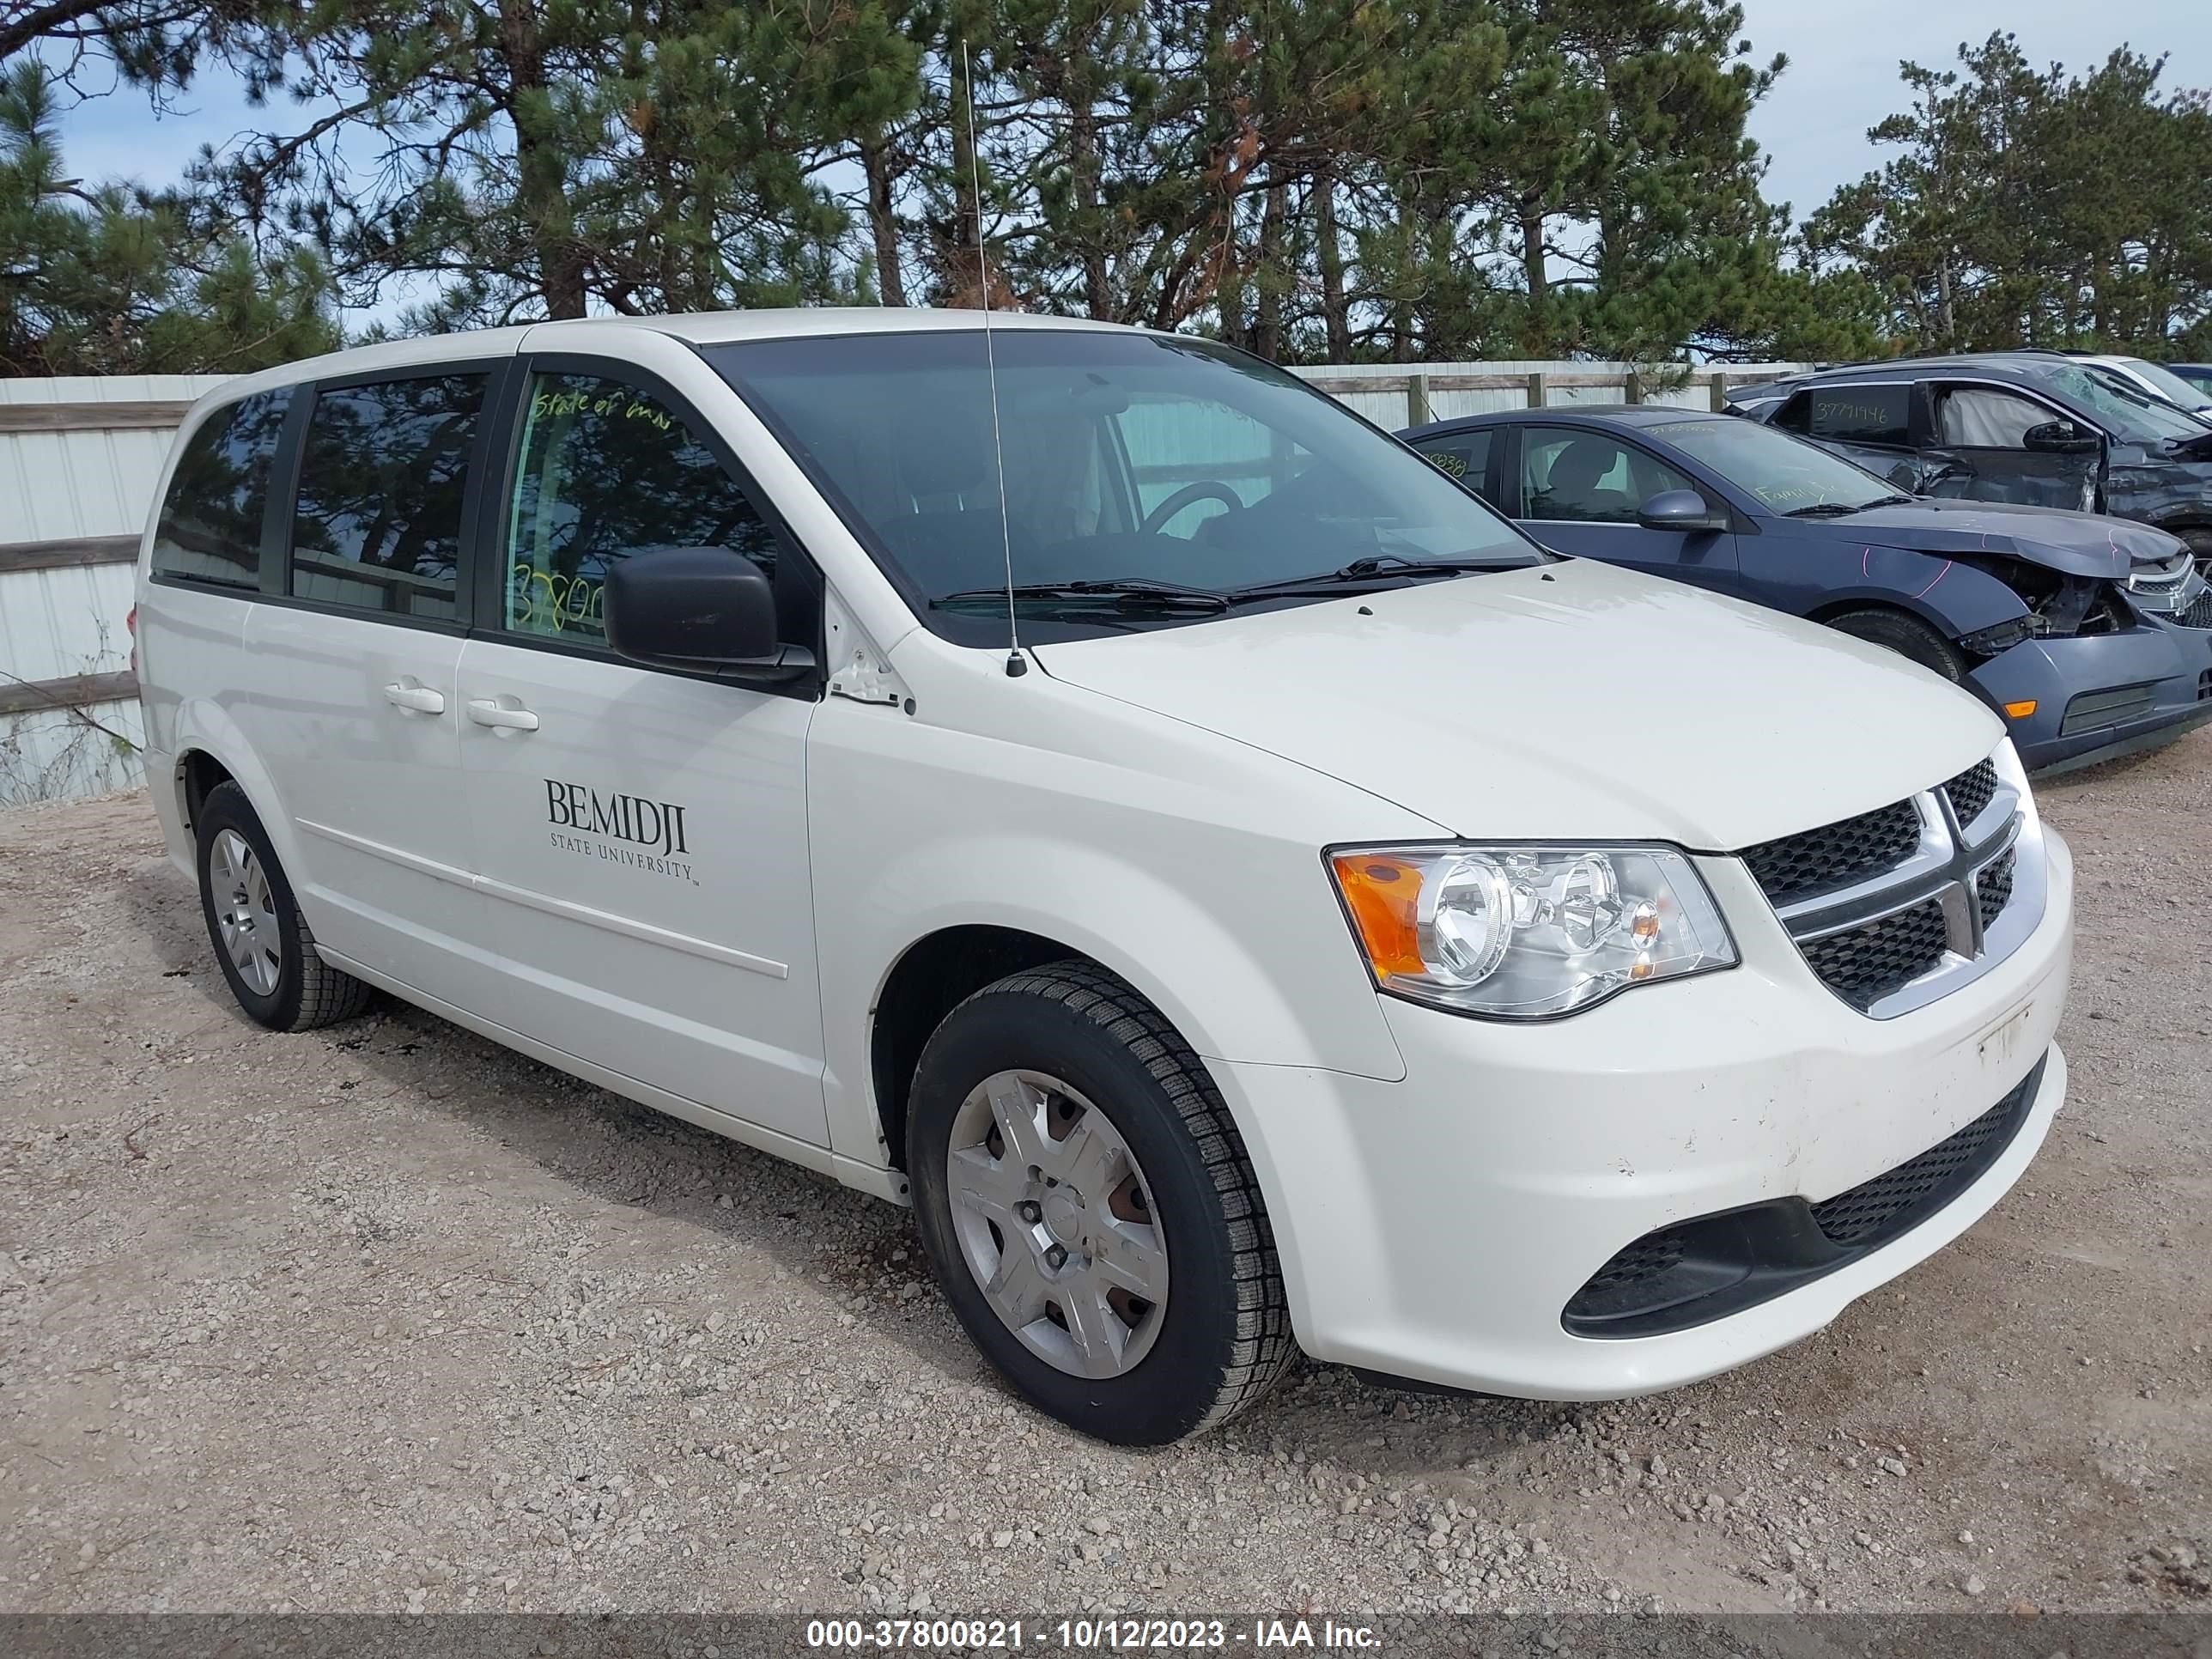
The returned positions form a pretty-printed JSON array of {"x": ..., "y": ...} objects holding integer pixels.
[
  {"x": 64, "y": 477},
  {"x": 67, "y": 753}
]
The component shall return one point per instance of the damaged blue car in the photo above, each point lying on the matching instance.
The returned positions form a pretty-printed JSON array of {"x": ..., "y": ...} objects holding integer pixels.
[{"x": 2091, "y": 635}]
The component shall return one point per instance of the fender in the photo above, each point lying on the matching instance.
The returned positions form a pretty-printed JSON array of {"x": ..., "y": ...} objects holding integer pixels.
[
  {"x": 2174, "y": 497},
  {"x": 1950, "y": 595},
  {"x": 1155, "y": 929},
  {"x": 203, "y": 726}
]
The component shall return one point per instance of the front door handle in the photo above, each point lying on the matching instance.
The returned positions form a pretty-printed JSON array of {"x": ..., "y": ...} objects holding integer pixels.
[
  {"x": 484, "y": 712},
  {"x": 421, "y": 698}
]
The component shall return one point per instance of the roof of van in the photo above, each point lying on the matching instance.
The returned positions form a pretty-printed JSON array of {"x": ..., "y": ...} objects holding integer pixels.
[{"x": 695, "y": 328}]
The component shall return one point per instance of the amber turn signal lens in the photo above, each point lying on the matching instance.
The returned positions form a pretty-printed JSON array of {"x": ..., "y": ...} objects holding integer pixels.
[
  {"x": 1383, "y": 895},
  {"x": 2021, "y": 710}
]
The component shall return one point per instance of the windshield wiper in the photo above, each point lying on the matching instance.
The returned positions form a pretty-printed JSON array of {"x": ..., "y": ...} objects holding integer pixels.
[
  {"x": 1378, "y": 565},
  {"x": 1127, "y": 594},
  {"x": 1844, "y": 509}
]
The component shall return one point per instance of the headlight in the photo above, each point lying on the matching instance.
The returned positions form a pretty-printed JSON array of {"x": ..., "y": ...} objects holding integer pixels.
[{"x": 1527, "y": 933}]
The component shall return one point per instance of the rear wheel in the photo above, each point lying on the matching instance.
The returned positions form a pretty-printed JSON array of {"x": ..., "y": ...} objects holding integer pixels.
[
  {"x": 1907, "y": 635},
  {"x": 262, "y": 942},
  {"x": 1090, "y": 1211}
]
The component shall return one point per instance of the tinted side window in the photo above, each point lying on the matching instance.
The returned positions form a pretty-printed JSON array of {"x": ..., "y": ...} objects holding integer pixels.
[
  {"x": 609, "y": 470},
  {"x": 211, "y": 524},
  {"x": 1461, "y": 455},
  {"x": 1977, "y": 417},
  {"x": 1587, "y": 477},
  {"x": 1793, "y": 415},
  {"x": 1860, "y": 414},
  {"x": 378, "y": 524}
]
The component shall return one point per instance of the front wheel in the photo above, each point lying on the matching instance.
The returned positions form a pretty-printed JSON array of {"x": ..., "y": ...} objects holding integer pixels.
[
  {"x": 1089, "y": 1210},
  {"x": 1907, "y": 635}
]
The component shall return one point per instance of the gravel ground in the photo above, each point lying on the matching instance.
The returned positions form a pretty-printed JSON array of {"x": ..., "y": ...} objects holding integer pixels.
[{"x": 384, "y": 1317}]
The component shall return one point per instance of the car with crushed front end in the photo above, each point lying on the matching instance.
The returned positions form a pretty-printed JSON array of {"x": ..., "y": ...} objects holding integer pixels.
[
  {"x": 2038, "y": 428},
  {"x": 1088, "y": 786},
  {"x": 2092, "y": 637}
]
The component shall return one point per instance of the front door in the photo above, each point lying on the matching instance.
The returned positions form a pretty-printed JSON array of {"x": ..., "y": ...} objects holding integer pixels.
[
  {"x": 1980, "y": 452},
  {"x": 1580, "y": 489},
  {"x": 641, "y": 833}
]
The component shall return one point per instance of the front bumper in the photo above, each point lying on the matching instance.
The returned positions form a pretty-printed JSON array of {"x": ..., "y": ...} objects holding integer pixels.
[
  {"x": 1437, "y": 1227},
  {"x": 2102, "y": 696}
]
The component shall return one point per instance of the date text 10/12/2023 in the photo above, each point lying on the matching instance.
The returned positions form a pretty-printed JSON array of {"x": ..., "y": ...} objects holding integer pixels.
[{"x": 1087, "y": 1635}]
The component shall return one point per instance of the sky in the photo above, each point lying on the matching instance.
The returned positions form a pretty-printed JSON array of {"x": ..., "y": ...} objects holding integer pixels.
[{"x": 1841, "y": 79}]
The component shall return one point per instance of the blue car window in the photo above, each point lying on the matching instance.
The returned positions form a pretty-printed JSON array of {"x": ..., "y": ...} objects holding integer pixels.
[
  {"x": 1461, "y": 455},
  {"x": 1569, "y": 475}
]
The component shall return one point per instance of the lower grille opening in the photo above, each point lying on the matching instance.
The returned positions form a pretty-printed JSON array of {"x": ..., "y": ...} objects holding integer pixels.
[
  {"x": 2205, "y": 686},
  {"x": 1697, "y": 1271},
  {"x": 2199, "y": 615},
  {"x": 2096, "y": 711}
]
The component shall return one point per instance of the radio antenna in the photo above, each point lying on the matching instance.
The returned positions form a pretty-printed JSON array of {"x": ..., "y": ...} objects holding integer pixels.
[{"x": 1016, "y": 665}]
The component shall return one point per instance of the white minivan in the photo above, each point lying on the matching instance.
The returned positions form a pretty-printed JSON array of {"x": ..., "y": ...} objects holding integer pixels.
[{"x": 1305, "y": 914}]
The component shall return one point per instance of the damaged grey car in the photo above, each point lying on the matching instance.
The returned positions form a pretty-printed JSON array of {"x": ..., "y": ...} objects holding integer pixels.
[{"x": 2038, "y": 429}]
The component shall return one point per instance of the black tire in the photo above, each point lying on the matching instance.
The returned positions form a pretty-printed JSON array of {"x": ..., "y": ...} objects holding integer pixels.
[
  {"x": 1907, "y": 635},
  {"x": 1225, "y": 1333},
  {"x": 308, "y": 992}
]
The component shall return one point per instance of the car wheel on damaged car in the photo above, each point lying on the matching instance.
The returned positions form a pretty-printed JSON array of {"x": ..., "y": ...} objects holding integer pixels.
[{"x": 1331, "y": 922}]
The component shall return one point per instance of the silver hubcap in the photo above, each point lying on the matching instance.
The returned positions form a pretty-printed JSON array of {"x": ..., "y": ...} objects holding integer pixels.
[
  {"x": 245, "y": 911},
  {"x": 1056, "y": 1221}
]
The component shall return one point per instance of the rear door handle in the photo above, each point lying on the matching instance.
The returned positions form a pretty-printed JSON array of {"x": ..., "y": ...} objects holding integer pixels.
[
  {"x": 421, "y": 698},
  {"x": 484, "y": 712}
]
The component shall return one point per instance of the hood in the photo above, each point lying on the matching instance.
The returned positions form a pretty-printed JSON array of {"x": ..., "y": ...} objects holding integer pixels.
[
  {"x": 2075, "y": 544},
  {"x": 1572, "y": 700}
]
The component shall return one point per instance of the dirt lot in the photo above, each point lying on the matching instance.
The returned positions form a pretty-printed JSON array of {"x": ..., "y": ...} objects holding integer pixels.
[{"x": 386, "y": 1317}]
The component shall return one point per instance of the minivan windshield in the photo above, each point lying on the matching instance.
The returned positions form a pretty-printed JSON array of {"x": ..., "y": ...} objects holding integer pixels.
[
  {"x": 1130, "y": 462},
  {"x": 1787, "y": 474},
  {"x": 2129, "y": 413}
]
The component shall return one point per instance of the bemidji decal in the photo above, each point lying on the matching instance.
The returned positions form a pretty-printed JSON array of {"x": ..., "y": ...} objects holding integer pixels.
[{"x": 651, "y": 831}]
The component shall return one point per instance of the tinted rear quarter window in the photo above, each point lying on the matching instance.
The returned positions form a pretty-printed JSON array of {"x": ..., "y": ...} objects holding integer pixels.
[
  {"x": 1461, "y": 455},
  {"x": 209, "y": 530},
  {"x": 1860, "y": 414},
  {"x": 382, "y": 476}
]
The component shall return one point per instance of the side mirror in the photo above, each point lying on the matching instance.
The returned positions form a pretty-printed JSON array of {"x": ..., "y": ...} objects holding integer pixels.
[
  {"x": 704, "y": 609},
  {"x": 1680, "y": 510},
  {"x": 2059, "y": 438}
]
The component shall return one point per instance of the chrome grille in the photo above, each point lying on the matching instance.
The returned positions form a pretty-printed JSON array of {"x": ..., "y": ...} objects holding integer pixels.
[
  {"x": 2169, "y": 588},
  {"x": 1972, "y": 791},
  {"x": 1890, "y": 922},
  {"x": 1864, "y": 965},
  {"x": 1836, "y": 853},
  {"x": 1993, "y": 887}
]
